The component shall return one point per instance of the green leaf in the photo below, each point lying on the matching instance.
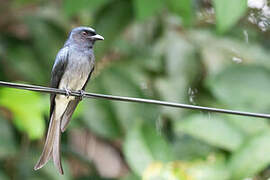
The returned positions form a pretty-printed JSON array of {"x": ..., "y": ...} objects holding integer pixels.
[
  {"x": 181, "y": 57},
  {"x": 27, "y": 159},
  {"x": 219, "y": 52},
  {"x": 209, "y": 171},
  {"x": 3, "y": 176},
  {"x": 212, "y": 129},
  {"x": 110, "y": 23},
  {"x": 99, "y": 114},
  {"x": 53, "y": 174},
  {"x": 252, "y": 157},
  {"x": 182, "y": 68},
  {"x": 131, "y": 177},
  {"x": 23, "y": 3},
  {"x": 145, "y": 9},
  {"x": 21, "y": 57},
  {"x": 72, "y": 7},
  {"x": 251, "y": 125},
  {"x": 124, "y": 79},
  {"x": 187, "y": 148},
  {"x": 111, "y": 118},
  {"x": 167, "y": 89},
  {"x": 27, "y": 108},
  {"x": 45, "y": 48},
  {"x": 7, "y": 141},
  {"x": 143, "y": 146},
  {"x": 242, "y": 87},
  {"x": 183, "y": 8},
  {"x": 228, "y": 13}
]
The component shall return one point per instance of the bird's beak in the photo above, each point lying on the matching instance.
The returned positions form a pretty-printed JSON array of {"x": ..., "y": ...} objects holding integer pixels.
[{"x": 97, "y": 37}]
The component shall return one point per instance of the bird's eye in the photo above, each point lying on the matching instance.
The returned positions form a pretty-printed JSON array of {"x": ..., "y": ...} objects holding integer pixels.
[{"x": 84, "y": 33}]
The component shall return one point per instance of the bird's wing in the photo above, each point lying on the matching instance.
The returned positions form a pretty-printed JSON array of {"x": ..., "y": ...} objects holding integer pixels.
[
  {"x": 58, "y": 70},
  {"x": 71, "y": 107}
]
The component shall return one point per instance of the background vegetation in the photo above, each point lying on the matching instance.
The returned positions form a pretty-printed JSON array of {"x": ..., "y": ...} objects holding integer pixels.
[{"x": 212, "y": 53}]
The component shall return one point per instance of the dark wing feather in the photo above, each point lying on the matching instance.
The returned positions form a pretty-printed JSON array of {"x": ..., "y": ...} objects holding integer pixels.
[
  {"x": 57, "y": 72},
  {"x": 71, "y": 107}
]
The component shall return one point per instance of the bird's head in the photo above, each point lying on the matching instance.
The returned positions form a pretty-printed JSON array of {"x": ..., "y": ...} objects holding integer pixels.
[{"x": 84, "y": 36}]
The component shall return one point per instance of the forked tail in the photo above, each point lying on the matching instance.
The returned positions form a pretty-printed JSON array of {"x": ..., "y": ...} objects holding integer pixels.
[{"x": 52, "y": 146}]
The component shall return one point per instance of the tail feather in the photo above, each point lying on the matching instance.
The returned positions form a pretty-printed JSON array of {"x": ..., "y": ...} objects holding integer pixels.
[
  {"x": 56, "y": 150},
  {"x": 68, "y": 113},
  {"x": 52, "y": 146}
]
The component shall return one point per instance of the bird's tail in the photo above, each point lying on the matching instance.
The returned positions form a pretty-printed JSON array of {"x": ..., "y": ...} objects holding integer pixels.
[{"x": 52, "y": 145}]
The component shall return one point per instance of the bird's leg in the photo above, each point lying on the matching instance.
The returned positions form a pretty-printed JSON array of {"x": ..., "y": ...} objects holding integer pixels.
[
  {"x": 82, "y": 94},
  {"x": 67, "y": 92}
]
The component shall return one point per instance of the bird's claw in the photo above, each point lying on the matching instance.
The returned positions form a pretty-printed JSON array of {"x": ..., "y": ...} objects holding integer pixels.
[
  {"x": 82, "y": 94},
  {"x": 67, "y": 92}
]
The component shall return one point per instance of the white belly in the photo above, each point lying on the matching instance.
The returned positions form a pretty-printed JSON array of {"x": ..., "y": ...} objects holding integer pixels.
[{"x": 75, "y": 75}]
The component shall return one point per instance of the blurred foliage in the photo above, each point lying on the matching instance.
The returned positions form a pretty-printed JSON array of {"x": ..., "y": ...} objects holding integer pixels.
[
  {"x": 201, "y": 52},
  {"x": 228, "y": 13},
  {"x": 27, "y": 110}
]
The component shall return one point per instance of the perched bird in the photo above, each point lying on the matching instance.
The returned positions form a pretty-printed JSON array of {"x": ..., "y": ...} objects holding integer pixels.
[{"x": 72, "y": 70}]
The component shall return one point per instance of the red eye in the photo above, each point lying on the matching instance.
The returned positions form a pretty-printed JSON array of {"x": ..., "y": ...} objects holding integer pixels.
[{"x": 84, "y": 33}]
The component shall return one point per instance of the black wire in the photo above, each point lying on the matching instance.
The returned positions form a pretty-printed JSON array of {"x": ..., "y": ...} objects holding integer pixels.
[{"x": 128, "y": 99}]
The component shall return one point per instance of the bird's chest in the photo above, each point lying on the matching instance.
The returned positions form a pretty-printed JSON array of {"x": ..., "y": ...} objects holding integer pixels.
[{"x": 77, "y": 71}]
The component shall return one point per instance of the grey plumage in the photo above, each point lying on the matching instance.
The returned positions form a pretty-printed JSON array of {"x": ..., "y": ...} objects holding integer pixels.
[{"x": 72, "y": 70}]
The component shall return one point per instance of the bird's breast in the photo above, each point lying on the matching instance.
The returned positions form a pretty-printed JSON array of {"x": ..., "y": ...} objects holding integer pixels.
[{"x": 77, "y": 71}]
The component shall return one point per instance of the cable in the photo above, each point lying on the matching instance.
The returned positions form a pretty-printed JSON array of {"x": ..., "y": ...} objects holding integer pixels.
[{"x": 129, "y": 99}]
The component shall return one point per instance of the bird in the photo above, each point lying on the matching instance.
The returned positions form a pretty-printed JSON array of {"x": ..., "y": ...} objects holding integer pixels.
[{"x": 72, "y": 69}]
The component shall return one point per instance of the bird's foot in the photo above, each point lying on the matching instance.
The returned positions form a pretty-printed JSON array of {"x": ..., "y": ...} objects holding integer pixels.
[
  {"x": 82, "y": 94},
  {"x": 67, "y": 92}
]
